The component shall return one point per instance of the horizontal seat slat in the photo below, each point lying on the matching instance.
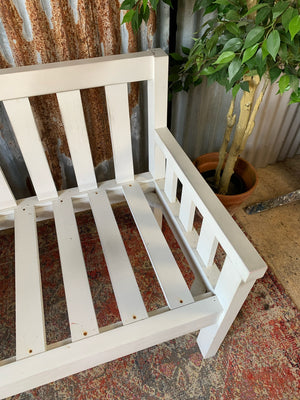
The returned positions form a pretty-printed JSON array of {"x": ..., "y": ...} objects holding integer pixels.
[
  {"x": 24, "y": 126},
  {"x": 167, "y": 271},
  {"x": 81, "y": 312},
  {"x": 7, "y": 199},
  {"x": 30, "y": 328},
  {"x": 73, "y": 118},
  {"x": 128, "y": 297}
]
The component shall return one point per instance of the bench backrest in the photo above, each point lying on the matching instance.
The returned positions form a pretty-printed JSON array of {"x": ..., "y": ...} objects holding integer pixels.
[{"x": 66, "y": 79}]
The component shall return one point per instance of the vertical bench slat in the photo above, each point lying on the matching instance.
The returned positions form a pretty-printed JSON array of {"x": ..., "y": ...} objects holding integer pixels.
[
  {"x": 167, "y": 271},
  {"x": 207, "y": 243},
  {"x": 73, "y": 118},
  {"x": 7, "y": 199},
  {"x": 118, "y": 115},
  {"x": 24, "y": 126},
  {"x": 128, "y": 297},
  {"x": 170, "y": 183},
  {"x": 82, "y": 317},
  {"x": 187, "y": 210},
  {"x": 30, "y": 327}
]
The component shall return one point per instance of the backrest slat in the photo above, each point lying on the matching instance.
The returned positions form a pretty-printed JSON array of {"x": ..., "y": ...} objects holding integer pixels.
[
  {"x": 7, "y": 199},
  {"x": 118, "y": 115},
  {"x": 73, "y": 118},
  {"x": 24, "y": 126},
  {"x": 35, "y": 80}
]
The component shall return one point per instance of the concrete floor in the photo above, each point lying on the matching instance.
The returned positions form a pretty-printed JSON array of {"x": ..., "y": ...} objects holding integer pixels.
[{"x": 276, "y": 232}]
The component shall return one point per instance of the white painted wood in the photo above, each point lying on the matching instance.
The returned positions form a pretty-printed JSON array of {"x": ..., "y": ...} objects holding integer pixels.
[
  {"x": 82, "y": 317},
  {"x": 232, "y": 293},
  {"x": 207, "y": 243},
  {"x": 170, "y": 182},
  {"x": 248, "y": 262},
  {"x": 30, "y": 327},
  {"x": 107, "y": 346},
  {"x": 130, "y": 303},
  {"x": 74, "y": 123},
  {"x": 24, "y": 126},
  {"x": 120, "y": 132},
  {"x": 187, "y": 210},
  {"x": 63, "y": 76},
  {"x": 157, "y": 90},
  {"x": 173, "y": 285},
  {"x": 7, "y": 199}
]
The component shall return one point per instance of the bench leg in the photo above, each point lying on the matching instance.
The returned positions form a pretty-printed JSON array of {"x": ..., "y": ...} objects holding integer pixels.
[{"x": 232, "y": 293}]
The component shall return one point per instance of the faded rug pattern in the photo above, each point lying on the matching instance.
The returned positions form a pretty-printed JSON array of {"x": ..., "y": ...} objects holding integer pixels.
[{"x": 259, "y": 358}]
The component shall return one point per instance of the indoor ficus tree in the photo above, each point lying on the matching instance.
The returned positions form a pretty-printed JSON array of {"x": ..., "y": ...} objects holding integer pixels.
[{"x": 239, "y": 43}]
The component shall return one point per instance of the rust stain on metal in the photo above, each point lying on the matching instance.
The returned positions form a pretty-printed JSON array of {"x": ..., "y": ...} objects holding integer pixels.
[{"x": 96, "y": 33}]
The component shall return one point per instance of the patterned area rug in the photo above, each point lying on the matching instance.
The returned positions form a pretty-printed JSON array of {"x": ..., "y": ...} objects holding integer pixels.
[{"x": 259, "y": 358}]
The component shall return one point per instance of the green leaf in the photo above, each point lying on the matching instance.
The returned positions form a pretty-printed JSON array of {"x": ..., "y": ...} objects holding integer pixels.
[
  {"x": 294, "y": 26},
  {"x": 284, "y": 84},
  {"x": 274, "y": 73},
  {"x": 177, "y": 57},
  {"x": 245, "y": 86},
  {"x": 262, "y": 15},
  {"x": 234, "y": 68},
  {"x": 233, "y": 28},
  {"x": 197, "y": 6},
  {"x": 185, "y": 50},
  {"x": 255, "y": 8},
  {"x": 225, "y": 57},
  {"x": 146, "y": 14},
  {"x": 128, "y": 16},
  {"x": 235, "y": 90},
  {"x": 154, "y": 4},
  {"x": 273, "y": 43},
  {"x": 249, "y": 53},
  {"x": 233, "y": 44},
  {"x": 287, "y": 17},
  {"x": 232, "y": 15},
  {"x": 212, "y": 41},
  {"x": 145, "y": 3},
  {"x": 295, "y": 97},
  {"x": 279, "y": 8},
  {"x": 254, "y": 36},
  {"x": 260, "y": 63},
  {"x": 264, "y": 49},
  {"x": 127, "y": 4}
]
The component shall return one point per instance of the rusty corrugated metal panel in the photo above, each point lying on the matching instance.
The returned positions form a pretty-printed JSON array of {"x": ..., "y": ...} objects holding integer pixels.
[{"x": 43, "y": 31}]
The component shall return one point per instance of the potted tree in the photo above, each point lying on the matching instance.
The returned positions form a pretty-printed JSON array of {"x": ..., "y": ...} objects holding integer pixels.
[{"x": 240, "y": 43}]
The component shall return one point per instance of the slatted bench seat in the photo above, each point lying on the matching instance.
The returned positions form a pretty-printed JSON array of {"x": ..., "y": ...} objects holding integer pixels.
[{"x": 216, "y": 296}]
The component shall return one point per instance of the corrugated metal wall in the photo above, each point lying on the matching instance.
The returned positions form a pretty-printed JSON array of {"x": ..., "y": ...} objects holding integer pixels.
[{"x": 40, "y": 31}]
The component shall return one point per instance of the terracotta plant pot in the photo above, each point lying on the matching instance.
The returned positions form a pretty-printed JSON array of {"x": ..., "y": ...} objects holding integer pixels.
[{"x": 242, "y": 168}]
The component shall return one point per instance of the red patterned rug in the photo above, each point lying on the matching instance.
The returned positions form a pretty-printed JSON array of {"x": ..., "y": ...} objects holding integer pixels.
[{"x": 259, "y": 358}]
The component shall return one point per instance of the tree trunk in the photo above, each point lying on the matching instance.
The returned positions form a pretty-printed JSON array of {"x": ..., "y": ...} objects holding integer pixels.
[{"x": 235, "y": 150}]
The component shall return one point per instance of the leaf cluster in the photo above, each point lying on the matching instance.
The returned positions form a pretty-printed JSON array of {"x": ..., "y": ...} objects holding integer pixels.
[
  {"x": 234, "y": 42},
  {"x": 139, "y": 11}
]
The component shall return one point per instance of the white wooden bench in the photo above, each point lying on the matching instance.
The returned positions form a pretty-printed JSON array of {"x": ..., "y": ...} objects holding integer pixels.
[{"x": 213, "y": 312}]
